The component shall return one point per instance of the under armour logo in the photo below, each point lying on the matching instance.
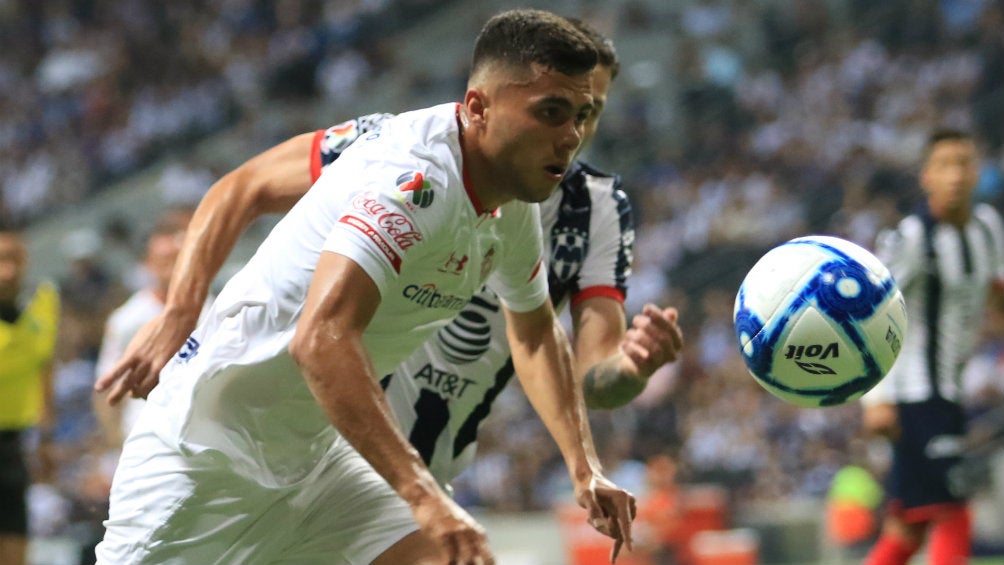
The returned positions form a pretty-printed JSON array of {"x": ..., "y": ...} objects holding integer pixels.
[{"x": 453, "y": 265}]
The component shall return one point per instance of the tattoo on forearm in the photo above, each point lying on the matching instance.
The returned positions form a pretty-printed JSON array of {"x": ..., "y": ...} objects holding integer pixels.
[{"x": 604, "y": 386}]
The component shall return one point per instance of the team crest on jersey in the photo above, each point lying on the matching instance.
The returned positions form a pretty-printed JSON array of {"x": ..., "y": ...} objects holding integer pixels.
[
  {"x": 569, "y": 250},
  {"x": 415, "y": 183}
]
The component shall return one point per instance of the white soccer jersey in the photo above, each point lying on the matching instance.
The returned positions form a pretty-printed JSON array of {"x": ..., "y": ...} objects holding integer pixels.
[
  {"x": 444, "y": 391},
  {"x": 397, "y": 204},
  {"x": 945, "y": 274}
]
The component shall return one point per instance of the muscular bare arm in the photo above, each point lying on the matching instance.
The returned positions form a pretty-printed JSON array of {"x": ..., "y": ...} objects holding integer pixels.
[
  {"x": 271, "y": 182},
  {"x": 542, "y": 359},
  {"x": 329, "y": 349}
]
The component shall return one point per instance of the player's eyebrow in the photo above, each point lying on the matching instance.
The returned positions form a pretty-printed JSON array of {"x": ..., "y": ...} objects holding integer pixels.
[{"x": 564, "y": 102}]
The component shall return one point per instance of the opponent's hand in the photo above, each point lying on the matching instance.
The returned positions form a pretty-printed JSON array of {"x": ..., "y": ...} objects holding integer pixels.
[
  {"x": 138, "y": 371},
  {"x": 611, "y": 511},
  {"x": 653, "y": 339},
  {"x": 462, "y": 541}
]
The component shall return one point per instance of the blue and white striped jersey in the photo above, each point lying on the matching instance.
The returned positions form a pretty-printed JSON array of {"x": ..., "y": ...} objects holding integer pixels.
[{"x": 945, "y": 274}]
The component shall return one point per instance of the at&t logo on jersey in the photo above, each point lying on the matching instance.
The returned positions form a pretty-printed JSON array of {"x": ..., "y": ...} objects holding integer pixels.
[
  {"x": 447, "y": 384},
  {"x": 415, "y": 183},
  {"x": 468, "y": 336},
  {"x": 428, "y": 295}
]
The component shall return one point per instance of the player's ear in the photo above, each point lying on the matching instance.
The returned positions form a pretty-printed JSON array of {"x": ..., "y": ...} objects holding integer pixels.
[{"x": 476, "y": 102}]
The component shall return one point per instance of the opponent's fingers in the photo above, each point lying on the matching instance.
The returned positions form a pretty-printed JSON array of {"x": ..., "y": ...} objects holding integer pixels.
[
  {"x": 655, "y": 316},
  {"x": 659, "y": 324}
]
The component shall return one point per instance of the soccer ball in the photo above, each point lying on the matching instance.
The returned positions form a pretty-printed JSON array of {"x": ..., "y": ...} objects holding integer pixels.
[{"x": 819, "y": 321}]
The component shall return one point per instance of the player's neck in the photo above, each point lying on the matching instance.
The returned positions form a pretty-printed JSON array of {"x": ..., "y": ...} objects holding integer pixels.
[
  {"x": 479, "y": 174},
  {"x": 955, "y": 216}
]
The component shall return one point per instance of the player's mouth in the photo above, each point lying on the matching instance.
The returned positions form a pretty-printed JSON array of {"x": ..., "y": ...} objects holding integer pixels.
[{"x": 556, "y": 172}]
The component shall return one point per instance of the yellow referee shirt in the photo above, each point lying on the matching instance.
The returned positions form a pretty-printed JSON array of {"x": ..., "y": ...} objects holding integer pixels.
[{"x": 26, "y": 350}]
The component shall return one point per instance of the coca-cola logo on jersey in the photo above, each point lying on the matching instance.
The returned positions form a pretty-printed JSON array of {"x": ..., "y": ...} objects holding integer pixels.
[
  {"x": 395, "y": 225},
  {"x": 400, "y": 229}
]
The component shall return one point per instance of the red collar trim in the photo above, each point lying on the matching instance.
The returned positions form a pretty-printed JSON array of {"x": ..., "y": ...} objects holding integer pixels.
[{"x": 475, "y": 201}]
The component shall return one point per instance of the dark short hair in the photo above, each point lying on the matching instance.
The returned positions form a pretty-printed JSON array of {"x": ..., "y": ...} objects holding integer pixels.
[
  {"x": 944, "y": 134},
  {"x": 524, "y": 36},
  {"x": 606, "y": 54}
]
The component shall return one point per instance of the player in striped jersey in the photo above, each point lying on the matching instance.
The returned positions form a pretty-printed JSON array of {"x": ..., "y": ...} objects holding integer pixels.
[
  {"x": 442, "y": 393},
  {"x": 946, "y": 258}
]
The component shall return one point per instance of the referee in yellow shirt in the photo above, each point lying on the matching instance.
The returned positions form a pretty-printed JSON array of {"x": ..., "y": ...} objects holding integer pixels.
[{"x": 28, "y": 326}]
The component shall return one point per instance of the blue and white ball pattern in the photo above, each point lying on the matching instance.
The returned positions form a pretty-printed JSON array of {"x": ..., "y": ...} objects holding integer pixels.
[{"x": 819, "y": 321}]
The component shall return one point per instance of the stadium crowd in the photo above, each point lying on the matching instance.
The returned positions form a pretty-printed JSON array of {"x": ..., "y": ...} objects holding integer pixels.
[{"x": 786, "y": 117}]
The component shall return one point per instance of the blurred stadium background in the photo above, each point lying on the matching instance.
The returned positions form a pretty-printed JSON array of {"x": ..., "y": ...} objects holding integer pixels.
[{"x": 736, "y": 124}]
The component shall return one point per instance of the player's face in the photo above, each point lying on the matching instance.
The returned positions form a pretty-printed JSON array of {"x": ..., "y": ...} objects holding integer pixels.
[
  {"x": 13, "y": 261},
  {"x": 533, "y": 129},
  {"x": 950, "y": 175},
  {"x": 602, "y": 77}
]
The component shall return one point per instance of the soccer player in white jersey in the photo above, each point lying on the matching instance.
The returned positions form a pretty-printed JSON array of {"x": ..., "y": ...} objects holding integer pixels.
[
  {"x": 233, "y": 461},
  {"x": 946, "y": 259},
  {"x": 161, "y": 252}
]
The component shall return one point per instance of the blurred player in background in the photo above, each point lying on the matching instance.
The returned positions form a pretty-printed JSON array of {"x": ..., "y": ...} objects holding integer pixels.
[
  {"x": 29, "y": 322},
  {"x": 518, "y": 129},
  {"x": 946, "y": 259},
  {"x": 161, "y": 253}
]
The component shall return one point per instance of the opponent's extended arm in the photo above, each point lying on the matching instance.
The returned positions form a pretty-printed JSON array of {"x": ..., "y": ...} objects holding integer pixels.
[
  {"x": 614, "y": 364},
  {"x": 271, "y": 182},
  {"x": 329, "y": 349},
  {"x": 542, "y": 359}
]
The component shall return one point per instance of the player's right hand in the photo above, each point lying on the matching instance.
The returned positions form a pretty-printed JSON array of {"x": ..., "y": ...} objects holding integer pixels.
[
  {"x": 462, "y": 541},
  {"x": 138, "y": 371}
]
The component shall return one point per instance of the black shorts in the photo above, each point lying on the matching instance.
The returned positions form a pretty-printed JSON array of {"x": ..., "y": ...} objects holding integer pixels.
[
  {"x": 14, "y": 482},
  {"x": 929, "y": 446}
]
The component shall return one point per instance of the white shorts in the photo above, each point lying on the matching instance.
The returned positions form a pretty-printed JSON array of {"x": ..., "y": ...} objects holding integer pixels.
[{"x": 170, "y": 509}]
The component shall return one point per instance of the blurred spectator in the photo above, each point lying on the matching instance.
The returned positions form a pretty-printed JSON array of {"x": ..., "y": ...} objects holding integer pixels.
[{"x": 659, "y": 512}]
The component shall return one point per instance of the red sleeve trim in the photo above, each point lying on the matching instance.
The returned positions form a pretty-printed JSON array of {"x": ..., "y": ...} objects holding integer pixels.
[
  {"x": 598, "y": 291},
  {"x": 315, "y": 155},
  {"x": 535, "y": 270}
]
